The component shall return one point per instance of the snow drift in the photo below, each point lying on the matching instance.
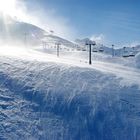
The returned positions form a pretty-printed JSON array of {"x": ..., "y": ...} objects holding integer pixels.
[{"x": 54, "y": 101}]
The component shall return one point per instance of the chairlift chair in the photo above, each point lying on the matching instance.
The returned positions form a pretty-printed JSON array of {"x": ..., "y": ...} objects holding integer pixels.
[
  {"x": 94, "y": 50},
  {"x": 131, "y": 54},
  {"x": 126, "y": 54},
  {"x": 101, "y": 50},
  {"x": 83, "y": 49},
  {"x": 78, "y": 49}
]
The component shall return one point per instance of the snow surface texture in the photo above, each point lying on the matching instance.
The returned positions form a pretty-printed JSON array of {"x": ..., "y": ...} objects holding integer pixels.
[{"x": 45, "y": 100}]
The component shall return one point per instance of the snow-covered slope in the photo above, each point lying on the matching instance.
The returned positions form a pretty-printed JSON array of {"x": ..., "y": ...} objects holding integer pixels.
[
  {"x": 46, "y": 98},
  {"x": 15, "y": 32}
]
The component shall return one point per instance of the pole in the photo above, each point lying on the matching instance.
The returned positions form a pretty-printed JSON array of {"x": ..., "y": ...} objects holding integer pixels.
[
  {"x": 124, "y": 49},
  {"x": 90, "y": 54},
  {"x": 58, "y": 49},
  {"x": 112, "y": 50},
  {"x": 90, "y": 45}
]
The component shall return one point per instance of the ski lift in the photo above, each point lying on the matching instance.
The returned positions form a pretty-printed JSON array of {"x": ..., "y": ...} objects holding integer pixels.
[
  {"x": 125, "y": 53},
  {"x": 78, "y": 49},
  {"x": 101, "y": 49},
  {"x": 132, "y": 54},
  {"x": 94, "y": 50},
  {"x": 83, "y": 49}
]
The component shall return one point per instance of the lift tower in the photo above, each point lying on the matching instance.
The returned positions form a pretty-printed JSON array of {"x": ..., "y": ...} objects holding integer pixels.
[{"x": 90, "y": 43}]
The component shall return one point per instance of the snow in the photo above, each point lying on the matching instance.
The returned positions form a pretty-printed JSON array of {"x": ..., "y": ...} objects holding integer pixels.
[
  {"x": 43, "y": 97},
  {"x": 129, "y": 74}
]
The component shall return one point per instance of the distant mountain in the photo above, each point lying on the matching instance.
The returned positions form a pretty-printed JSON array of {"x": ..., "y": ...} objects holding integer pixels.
[{"x": 13, "y": 31}]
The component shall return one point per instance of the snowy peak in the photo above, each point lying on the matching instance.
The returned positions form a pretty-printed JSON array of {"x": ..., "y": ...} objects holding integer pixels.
[{"x": 12, "y": 29}]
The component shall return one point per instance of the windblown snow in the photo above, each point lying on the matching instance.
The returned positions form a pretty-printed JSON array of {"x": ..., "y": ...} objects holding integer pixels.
[{"x": 43, "y": 97}]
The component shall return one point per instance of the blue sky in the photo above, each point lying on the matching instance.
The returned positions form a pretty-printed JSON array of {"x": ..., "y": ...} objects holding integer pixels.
[{"x": 113, "y": 21}]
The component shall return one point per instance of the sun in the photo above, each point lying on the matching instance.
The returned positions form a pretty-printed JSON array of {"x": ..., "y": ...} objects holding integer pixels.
[
  {"x": 8, "y": 7},
  {"x": 14, "y": 8}
]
